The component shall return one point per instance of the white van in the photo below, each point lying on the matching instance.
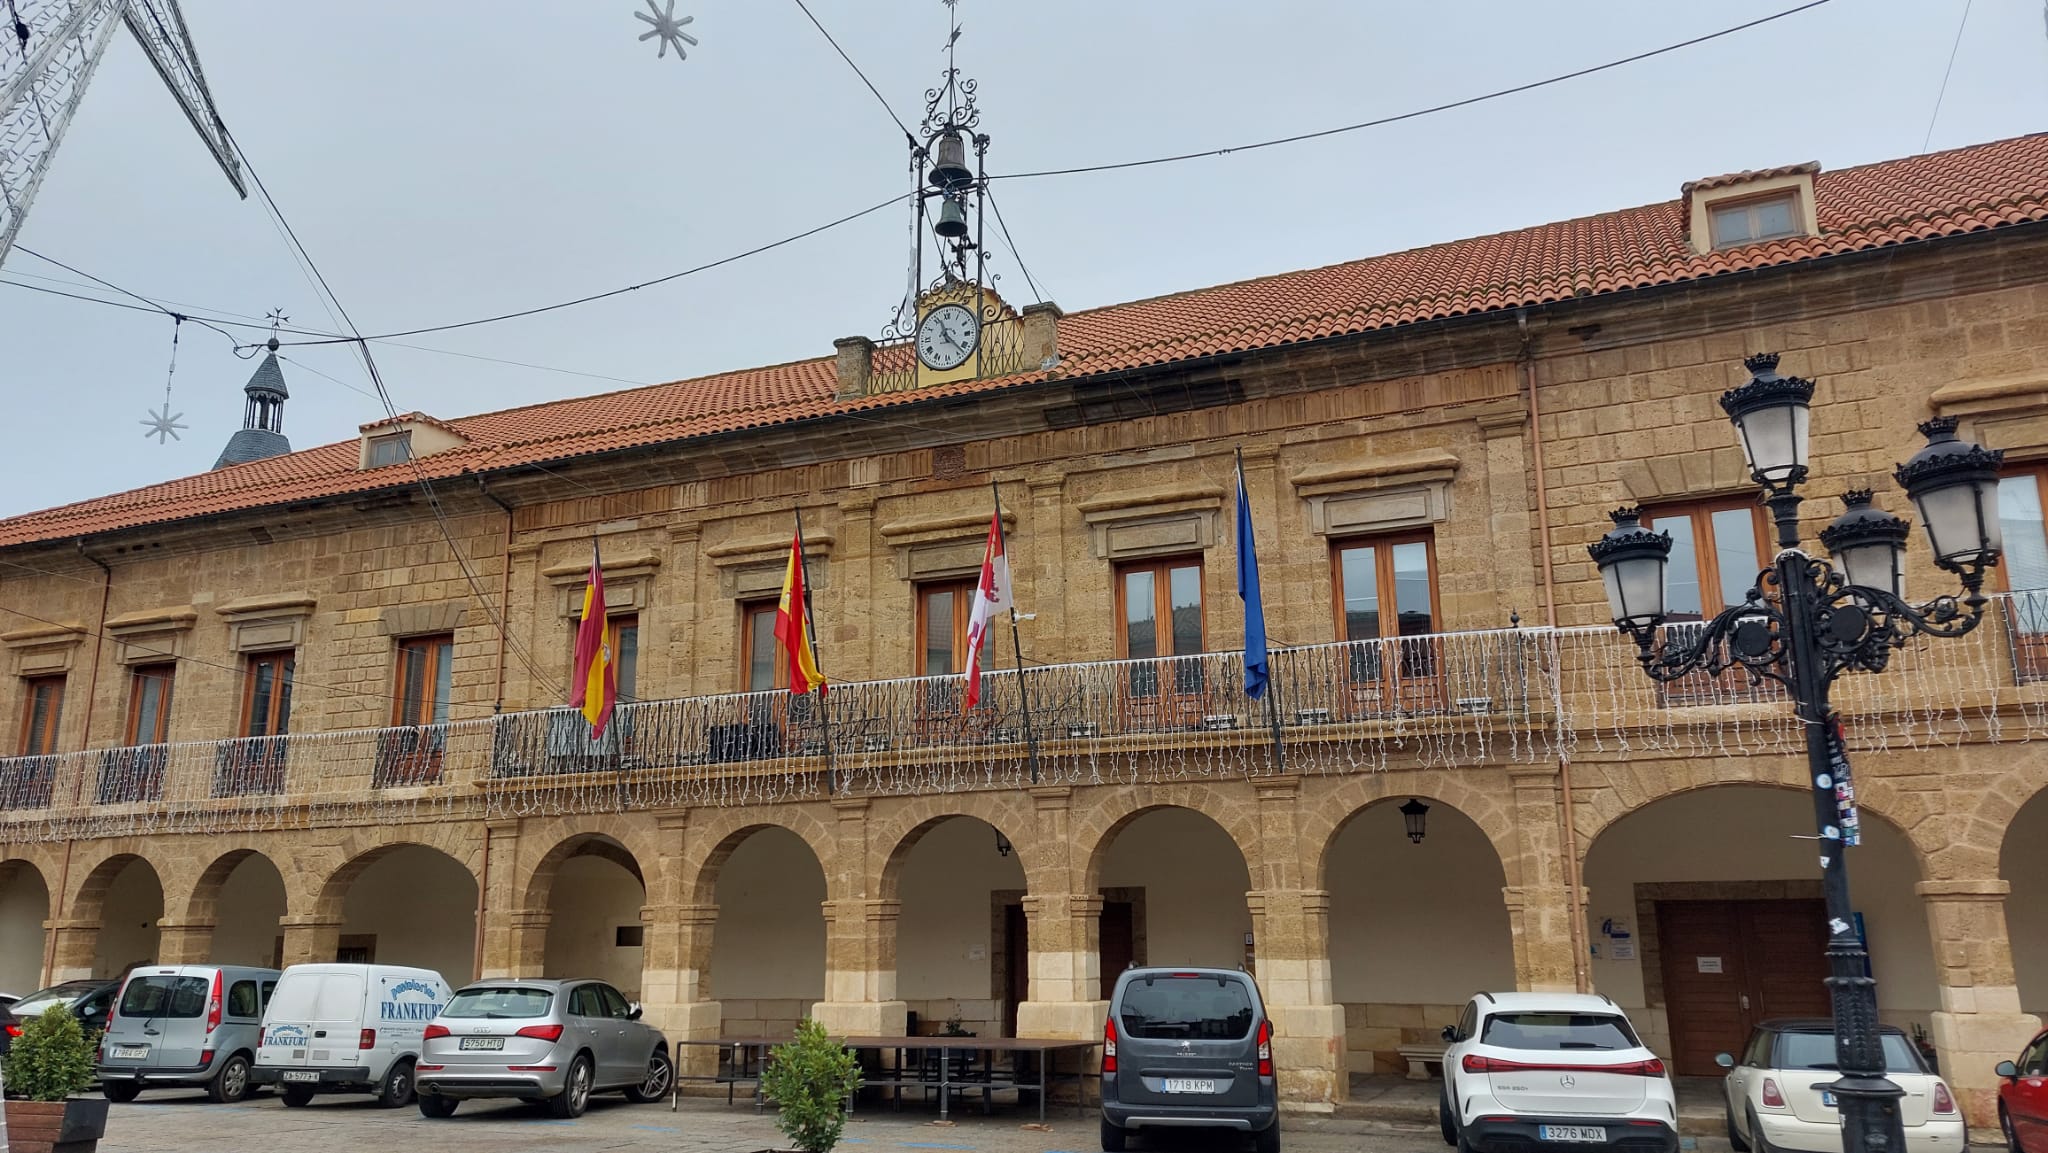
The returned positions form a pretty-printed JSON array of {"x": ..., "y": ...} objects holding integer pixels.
[{"x": 347, "y": 1029}]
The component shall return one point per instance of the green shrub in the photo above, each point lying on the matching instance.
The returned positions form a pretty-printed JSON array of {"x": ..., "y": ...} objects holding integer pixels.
[
  {"x": 52, "y": 1059},
  {"x": 809, "y": 1079}
]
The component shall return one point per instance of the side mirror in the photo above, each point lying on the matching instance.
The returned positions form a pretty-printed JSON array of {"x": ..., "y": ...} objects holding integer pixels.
[
  {"x": 1450, "y": 1034},
  {"x": 1724, "y": 1060},
  {"x": 633, "y": 1011},
  {"x": 2007, "y": 1070}
]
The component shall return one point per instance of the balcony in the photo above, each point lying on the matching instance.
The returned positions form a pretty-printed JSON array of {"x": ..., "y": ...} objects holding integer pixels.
[{"x": 1443, "y": 701}]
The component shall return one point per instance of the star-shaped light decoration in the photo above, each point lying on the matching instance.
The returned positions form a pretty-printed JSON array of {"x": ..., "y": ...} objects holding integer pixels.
[
  {"x": 666, "y": 26},
  {"x": 162, "y": 425}
]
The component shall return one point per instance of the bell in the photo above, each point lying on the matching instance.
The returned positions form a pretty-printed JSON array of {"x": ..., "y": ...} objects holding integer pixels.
[
  {"x": 949, "y": 168},
  {"x": 952, "y": 223}
]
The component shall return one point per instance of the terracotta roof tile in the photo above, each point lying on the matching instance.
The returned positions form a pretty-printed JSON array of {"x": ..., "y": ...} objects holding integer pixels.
[{"x": 1995, "y": 185}]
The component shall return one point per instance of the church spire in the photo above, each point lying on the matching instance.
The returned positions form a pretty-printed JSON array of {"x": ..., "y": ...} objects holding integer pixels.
[{"x": 262, "y": 433}]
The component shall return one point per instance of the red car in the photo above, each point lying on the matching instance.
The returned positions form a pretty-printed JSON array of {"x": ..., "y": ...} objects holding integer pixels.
[{"x": 2023, "y": 1098}]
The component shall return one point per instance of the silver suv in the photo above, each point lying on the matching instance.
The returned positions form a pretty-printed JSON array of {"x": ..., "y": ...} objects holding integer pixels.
[
  {"x": 557, "y": 1041},
  {"x": 1188, "y": 1048}
]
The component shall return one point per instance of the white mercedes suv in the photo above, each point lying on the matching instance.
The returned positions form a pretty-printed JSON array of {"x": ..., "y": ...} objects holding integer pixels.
[{"x": 1527, "y": 1070}]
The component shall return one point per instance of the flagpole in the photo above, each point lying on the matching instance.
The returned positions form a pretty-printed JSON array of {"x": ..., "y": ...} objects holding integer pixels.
[
  {"x": 1272, "y": 693},
  {"x": 1016, "y": 646},
  {"x": 803, "y": 563}
]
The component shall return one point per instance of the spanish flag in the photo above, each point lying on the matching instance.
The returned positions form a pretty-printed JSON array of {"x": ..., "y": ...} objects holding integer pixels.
[
  {"x": 594, "y": 683},
  {"x": 793, "y": 623}
]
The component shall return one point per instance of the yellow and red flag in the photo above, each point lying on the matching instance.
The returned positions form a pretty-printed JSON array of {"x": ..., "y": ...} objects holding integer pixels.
[
  {"x": 793, "y": 623},
  {"x": 594, "y": 683}
]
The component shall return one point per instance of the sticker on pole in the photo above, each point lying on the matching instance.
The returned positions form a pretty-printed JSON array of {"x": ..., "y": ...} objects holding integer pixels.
[{"x": 1843, "y": 788}]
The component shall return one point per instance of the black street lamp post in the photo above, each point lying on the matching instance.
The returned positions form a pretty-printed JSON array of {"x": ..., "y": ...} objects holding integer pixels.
[{"x": 1807, "y": 622}]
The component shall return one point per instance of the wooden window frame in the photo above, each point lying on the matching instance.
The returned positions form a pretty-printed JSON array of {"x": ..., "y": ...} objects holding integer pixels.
[
  {"x": 615, "y": 625},
  {"x": 409, "y": 752},
  {"x": 167, "y": 671},
  {"x": 430, "y": 644},
  {"x": 2026, "y": 610},
  {"x": 30, "y": 687},
  {"x": 381, "y": 443},
  {"x": 283, "y": 663},
  {"x": 1178, "y": 697},
  {"x": 1412, "y": 681},
  {"x": 1790, "y": 196},
  {"x": 1162, "y": 602},
  {"x": 1732, "y": 686},
  {"x": 963, "y": 608},
  {"x": 764, "y": 611}
]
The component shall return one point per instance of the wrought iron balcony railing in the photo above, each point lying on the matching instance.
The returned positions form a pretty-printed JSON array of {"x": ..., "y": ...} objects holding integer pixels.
[{"x": 1444, "y": 701}]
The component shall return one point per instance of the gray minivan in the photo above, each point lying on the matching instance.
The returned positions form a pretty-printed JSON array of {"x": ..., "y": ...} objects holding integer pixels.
[
  {"x": 185, "y": 1025},
  {"x": 1188, "y": 1048}
]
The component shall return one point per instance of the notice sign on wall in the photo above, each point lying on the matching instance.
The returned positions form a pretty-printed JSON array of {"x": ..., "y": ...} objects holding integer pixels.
[{"x": 1709, "y": 964}]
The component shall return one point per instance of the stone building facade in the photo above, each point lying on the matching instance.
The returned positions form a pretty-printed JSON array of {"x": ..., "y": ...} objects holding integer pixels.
[{"x": 1429, "y": 440}]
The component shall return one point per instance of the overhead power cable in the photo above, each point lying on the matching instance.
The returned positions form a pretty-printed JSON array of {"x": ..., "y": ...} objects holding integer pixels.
[
  {"x": 178, "y": 316},
  {"x": 886, "y": 106},
  {"x": 1014, "y": 254},
  {"x": 1416, "y": 113},
  {"x": 1943, "y": 92}
]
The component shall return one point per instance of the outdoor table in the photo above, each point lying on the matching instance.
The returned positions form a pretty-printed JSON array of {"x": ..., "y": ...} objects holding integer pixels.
[
  {"x": 1045, "y": 1049},
  {"x": 748, "y": 1054}
]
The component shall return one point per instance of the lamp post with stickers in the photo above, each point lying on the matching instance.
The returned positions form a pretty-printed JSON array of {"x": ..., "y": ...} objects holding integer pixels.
[{"x": 1805, "y": 623}]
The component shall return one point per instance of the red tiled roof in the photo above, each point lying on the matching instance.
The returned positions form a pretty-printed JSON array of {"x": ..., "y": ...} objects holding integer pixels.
[{"x": 1950, "y": 193}]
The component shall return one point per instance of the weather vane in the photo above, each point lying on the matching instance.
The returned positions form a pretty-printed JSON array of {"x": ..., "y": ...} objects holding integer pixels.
[
  {"x": 164, "y": 425},
  {"x": 668, "y": 28},
  {"x": 277, "y": 320}
]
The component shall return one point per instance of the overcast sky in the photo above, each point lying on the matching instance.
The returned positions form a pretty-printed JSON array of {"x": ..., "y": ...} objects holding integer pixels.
[{"x": 444, "y": 161}]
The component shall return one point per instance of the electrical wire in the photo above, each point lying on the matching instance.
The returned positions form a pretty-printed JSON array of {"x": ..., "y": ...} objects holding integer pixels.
[
  {"x": 1014, "y": 254},
  {"x": 178, "y": 316},
  {"x": 886, "y": 107},
  {"x": 1414, "y": 114},
  {"x": 1945, "y": 72}
]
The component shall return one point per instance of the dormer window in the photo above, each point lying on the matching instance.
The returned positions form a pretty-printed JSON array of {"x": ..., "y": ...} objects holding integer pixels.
[
  {"x": 1754, "y": 219},
  {"x": 391, "y": 448}
]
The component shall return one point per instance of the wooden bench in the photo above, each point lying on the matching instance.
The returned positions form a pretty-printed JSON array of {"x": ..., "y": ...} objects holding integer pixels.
[{"x": 1420, "y": 1058}]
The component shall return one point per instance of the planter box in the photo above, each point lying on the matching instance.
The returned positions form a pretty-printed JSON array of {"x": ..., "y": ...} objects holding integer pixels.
[{"x": 73, "y": 1126}]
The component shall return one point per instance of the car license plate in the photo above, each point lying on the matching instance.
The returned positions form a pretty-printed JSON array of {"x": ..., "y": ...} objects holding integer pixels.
[
  {"x": 1827, "y": 1098},
  {"x": 483, "y": 1043},
  {"x": 1572, "y": 1133},
  {"x": 131, "y": 1052},
  {"x": 300, "y": 1075},
  {"x": 1187, "y": 1085}
]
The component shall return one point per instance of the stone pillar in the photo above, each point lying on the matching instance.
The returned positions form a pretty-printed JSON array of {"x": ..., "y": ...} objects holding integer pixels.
[
  {"x": 1064, "y": 924},
  {"x": 1507, "y": 507},
  {"x": 74, "y": 941},
  {"x": 860, "y": 940},
  {"x": 853, "y": 627},
  {"x": 1041, "y": 577},
  {"x": 526, "y": 937},
  {"x": 675, "y": 967},
  {"x": 1980, "y": 1022},
  {"x": 1540, "y": 908},
  {"x": 1291, "y": 938},
  {"x": 501, "y": 957},
  {"x": 678, "y": 612},
  {"x": 310, "y": 939},
  {"x": 184, "y": 942}
]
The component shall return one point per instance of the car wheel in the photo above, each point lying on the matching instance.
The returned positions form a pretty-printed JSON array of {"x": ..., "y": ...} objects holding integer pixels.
[
  {"x": 396, "y": 1091},
  {"x": 1114, "y": 1138},
  {"x": 1465, "y": 1143},
  {"x": 231, "y": 1083},
  {"x": 653, "y": 1087},
  {"x": 1267, "y": 1140},
  {"x": 433, "y": 1106},
  {"x": 2012, "y": 1139},
  {"x": 121, "y": 1091},
  {"x": 1735, "y": 1140},
  {"x": 1443, "y": 1118},
  {"x": 575, "y": 1094},
  {"x": 296, "y": 1096}
]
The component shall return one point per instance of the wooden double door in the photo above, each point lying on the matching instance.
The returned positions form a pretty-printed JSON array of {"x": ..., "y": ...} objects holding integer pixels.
[{"x": 1728, "y": 965}]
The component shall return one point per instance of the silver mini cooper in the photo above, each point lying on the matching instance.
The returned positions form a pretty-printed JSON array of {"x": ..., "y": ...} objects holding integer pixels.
[{"x": 557, "y": 1041}]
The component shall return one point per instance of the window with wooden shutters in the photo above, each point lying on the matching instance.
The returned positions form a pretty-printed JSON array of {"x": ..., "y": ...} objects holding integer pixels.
[
  {"x": 135, "y": 771},
  {"x": 255, "y": 765},
  {"x": 1718, "y": 548},
  {"x": 1385, "y": 593},
  {"x": 43, "y": 711},
  {"x": 423, "y": 683},
  {"x": 1158, "y": 616}
]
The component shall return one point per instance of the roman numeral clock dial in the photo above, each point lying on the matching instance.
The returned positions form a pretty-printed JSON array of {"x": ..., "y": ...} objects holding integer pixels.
[{"x": 947, "y": 336}]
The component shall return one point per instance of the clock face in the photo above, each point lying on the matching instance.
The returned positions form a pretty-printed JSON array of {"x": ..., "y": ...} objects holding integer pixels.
[{"x": 947, "y": 336}]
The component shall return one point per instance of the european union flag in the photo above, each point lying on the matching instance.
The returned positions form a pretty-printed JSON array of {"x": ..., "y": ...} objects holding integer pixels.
[{"x": 1256, "y": 669}]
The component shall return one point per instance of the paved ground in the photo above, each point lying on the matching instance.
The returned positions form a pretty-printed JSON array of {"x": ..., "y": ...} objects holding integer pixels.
[{"x": 165, "y": 1121}]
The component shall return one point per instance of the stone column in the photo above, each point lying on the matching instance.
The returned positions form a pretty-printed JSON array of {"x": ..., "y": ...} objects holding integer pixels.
[
  {"x": 1540, "y": 908},
  {"x": 526, "y": 942},
  {"x": 184, "y": 942},
  {"x": 502, "y": 956},
  {"x": 680, "y": 610},
  {"x": 1063, "y": 923},
  {"x": 860, "y": 940},
  {"x": 1507, "y": 506},
  {"x": 1291, "y": 938},
  {"x": 1039, "y": 574},
  {"x": 675, "y": 967},
  {"x": 310, "y": 939},
  {"x": 74, "y": 941},
  {"x": 1980, "y": 1022},
  {"x": 852, "y": 621}
]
